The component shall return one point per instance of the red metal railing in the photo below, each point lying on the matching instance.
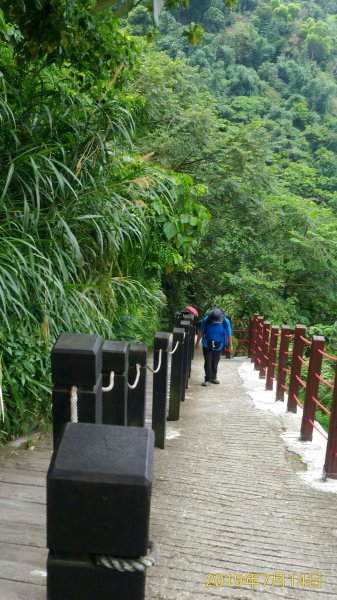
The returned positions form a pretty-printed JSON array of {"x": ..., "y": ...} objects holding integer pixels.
[
  {"x": 240, "y": 329},
  {"x": 271, "y": 349}
]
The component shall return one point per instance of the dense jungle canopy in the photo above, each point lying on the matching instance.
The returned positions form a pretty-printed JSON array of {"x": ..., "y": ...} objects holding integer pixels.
[{"x": 143, "y": 168}]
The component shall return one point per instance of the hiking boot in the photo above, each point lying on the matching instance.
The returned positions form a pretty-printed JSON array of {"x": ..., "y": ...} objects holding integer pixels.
[
  {"x": 215, "y": 381},
  {"x": 205, "y": 383}
]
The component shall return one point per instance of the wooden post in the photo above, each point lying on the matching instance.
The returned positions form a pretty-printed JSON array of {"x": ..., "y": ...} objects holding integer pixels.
[
  {"x": 137, "y": 396},
  {"x": 264, "y": 355},
  {"x": 259, "y": 339},
  {"x": 99, "y": 486},
  {"x": 272, "y": 357},
  {"x": 186, "y": 326},
  {"x": 309, "y": 409},
  {"x": 76, "y": 363},
  {"x": 296, "y": 367},
  {"x": 330, "y": 465},
  {"x": 176, "y": 374},
  {"x": 115, "y": 359},
  {"x": 159, "y": 398},
  {"x": 282, "y": 362},
  {"x": 190, "y": 318},
  {"x": 253, "y": 338},
  {"x": 250, "y": 337}
]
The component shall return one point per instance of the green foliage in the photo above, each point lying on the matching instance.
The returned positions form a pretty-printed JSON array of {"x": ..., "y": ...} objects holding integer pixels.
[
  {"x": 89, "y": 226},
  {"x": 25, "y": 381}
]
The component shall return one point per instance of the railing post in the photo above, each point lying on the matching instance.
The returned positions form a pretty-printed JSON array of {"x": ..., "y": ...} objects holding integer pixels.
[
  {"x": 115, "y": 359},
  {"x": 296, "y": 366},
  {"x": 159, "y": 398},
  {"x": 76, "y": 360},
  {"x": 259, "y": 339},
  {"x": 190, "y": 318},
  {"x": 137, "y": 396},
  {"x": 272, "y": 357},
  {"x": 330, "y": 465},
  {"x": 252, "y": 337},
  {"x": 186, "y": 326},
  {"x": 176, "y": 383},
  {"x": 309, "y": 408},
  {"x": 265, "y": 344},
  {"x": 282, "y": 362},
  {"x": 98, "y": 506}
]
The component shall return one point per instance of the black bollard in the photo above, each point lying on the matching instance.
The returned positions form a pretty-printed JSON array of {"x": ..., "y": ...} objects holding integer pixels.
[
  {"x": 177, "y": 383},
  {"x": 160, "y": 380},
  {"x": 114, "y": 402},
  {"x": 186, "y": 326},
  {"x": 178, "y": 318},
  {"x": 98, "y": 504},
  {"x": 79, "y": 578},
  {"x": 137, "y": 396},
  {"x": 76, "y": 360},
  {"x": 191, "y": 319}
]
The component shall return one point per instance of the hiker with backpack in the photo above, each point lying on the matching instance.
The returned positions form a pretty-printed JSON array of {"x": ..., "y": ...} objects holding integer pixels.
[{"x": 216, "y": 334}]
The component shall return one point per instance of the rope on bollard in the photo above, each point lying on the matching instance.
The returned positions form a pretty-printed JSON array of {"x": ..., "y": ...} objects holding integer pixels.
[
  {"x": 73, "y": 404},
  {"x": 134, "y": 385},
  {"x": 174, "y": 349},
  {"x": 130, "y": 564},
  {"x": 111, "y": 383},
  {"x": 159, "y": 363}
]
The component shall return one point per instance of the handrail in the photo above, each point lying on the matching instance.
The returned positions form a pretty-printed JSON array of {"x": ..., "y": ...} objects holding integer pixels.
[{"x": 287, "y": 362}]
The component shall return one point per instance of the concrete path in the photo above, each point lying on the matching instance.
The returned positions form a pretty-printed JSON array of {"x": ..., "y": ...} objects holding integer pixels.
[
  {"x": 232, "y": 518},
  {"x": 230, "y": 515}
]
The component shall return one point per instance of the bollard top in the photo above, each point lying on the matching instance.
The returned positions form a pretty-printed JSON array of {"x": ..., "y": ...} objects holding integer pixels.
[
  {"x": 138, "y": 354},
  {"x": 76, "y": 359},
  {"x": 114, "y": 454},
  {"x": 161, "y": 340},
  {"x": 115, "y": 356}
]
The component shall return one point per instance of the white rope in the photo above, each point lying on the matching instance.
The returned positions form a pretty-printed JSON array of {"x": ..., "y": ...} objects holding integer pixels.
[
  {"x": 130, "y": 564},
  {"x": 134, "y": 385},
  {"x": 174, "y": 349},
  {"x": 159, "y": 363},
  {"x": 111, "y": 383},
  {"x": 73, "y": 404}
]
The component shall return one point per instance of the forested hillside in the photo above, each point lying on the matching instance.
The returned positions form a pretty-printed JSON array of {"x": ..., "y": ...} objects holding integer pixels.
[
  {"x": 145, "y": 168},
  {"x": 264, "y": 143}
]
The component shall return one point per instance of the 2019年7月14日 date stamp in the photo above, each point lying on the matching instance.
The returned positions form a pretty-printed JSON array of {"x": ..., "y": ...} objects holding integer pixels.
[{"x": 277, "y": 579}]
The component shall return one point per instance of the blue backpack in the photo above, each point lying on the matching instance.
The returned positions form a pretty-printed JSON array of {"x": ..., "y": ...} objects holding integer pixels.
[{"x": 216, "y": 331}]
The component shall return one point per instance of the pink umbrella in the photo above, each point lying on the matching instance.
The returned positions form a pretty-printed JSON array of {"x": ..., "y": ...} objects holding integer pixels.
[{"x": 192, "y": 310}]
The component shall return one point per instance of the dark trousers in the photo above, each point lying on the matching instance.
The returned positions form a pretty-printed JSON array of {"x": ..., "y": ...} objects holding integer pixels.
[{"x": 212, "y": 358}]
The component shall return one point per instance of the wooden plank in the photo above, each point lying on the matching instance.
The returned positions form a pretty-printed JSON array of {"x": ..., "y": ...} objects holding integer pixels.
[
  {"x": 23, "y": 477},
  {"x": 34, "y": 463},
  {"x": 23, "y": 564},
  {"x": 30, "y": 513},
  {"x": 23, "y": 493},
  {"x": 12, "y": 590},
  {"x": 21, "y": 533}
]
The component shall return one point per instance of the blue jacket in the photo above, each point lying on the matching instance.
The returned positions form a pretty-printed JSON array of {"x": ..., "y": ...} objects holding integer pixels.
[{"x": 217, "y": 332}]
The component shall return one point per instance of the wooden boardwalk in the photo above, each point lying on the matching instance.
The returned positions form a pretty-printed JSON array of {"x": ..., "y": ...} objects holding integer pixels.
[{"x": 226, "y": 500}]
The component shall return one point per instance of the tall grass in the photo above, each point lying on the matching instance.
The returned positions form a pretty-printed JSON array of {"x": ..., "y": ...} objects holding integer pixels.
[{"x": 75, "y": 232}]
